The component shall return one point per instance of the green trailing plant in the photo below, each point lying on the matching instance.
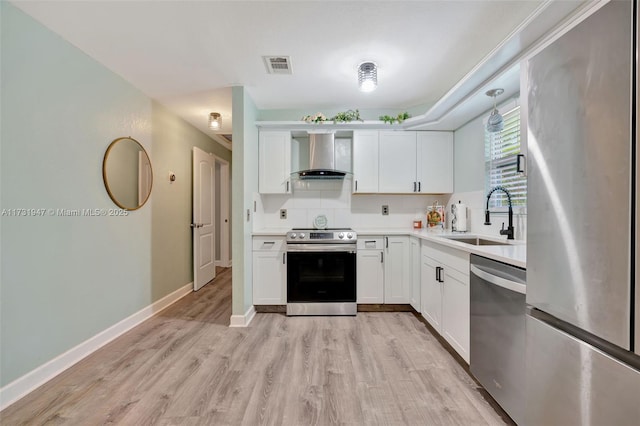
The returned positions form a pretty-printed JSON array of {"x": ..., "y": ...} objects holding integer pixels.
[
  {"x": 390, "y": 120},
  {"x": 347, "y": 116}
]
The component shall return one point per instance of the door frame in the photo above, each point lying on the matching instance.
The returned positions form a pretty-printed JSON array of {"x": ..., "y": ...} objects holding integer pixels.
[{"x": 225, "y": 207}]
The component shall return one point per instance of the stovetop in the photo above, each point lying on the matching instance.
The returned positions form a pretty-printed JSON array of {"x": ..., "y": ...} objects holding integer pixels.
[{"x": 322, "y": 236}]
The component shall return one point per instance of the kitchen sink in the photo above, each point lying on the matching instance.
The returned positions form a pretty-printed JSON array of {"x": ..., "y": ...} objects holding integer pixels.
[{"x": 477, "y": 241}]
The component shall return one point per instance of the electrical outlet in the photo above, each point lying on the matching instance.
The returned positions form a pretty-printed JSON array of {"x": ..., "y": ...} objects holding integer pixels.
[
  {"x": 283, "y": 213},
  {"x": 385, "y": 210}
]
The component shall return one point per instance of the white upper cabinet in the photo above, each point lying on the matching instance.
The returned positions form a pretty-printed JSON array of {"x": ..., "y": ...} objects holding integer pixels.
[
  {"x": 365, "y": 161},
  {"x": 434, "y": 169},
  {"x": 397, "y": 172},
  {"x": 416, "y": 162},
  {"x": 274, "y": 162}
]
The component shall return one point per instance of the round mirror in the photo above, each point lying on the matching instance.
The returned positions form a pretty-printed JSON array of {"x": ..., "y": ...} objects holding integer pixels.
[{"x": 127, "y": 174}]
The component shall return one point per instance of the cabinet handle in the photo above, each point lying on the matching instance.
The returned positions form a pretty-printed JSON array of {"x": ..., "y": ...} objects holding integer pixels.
[
  {"x": 437, "y": 273},
  {"x": 356, "y": 186},
  {"x": 283, "y": 257},
  {"x": 381, "y": 257},
  {"x": 414, "y": 187},
  {"x": 386, "y": 242},
  {"x": 287, "y": 186},
  {"x": 419, "y": 185}
]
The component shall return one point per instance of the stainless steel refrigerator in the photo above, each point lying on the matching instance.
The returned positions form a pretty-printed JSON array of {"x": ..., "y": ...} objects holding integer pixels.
[{"x": 583, "y": 291}]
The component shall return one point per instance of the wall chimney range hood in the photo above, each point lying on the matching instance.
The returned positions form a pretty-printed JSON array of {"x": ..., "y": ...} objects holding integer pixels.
[{"x": 322, "y": 158}]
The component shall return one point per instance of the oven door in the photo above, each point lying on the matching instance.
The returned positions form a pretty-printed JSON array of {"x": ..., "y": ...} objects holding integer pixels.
[{"x": 321, "y": 273}]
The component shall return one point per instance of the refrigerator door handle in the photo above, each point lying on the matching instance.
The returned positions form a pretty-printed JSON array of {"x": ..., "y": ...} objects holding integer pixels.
[{"x": 499, "y": 281}]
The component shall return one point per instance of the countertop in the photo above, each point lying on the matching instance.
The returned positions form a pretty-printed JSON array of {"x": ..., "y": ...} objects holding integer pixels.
[{"x": 515, "y": 253}]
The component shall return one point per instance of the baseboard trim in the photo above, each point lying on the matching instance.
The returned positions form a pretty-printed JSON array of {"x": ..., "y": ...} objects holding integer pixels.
[
  {"x": 223, "y": 264},
  {"x": 243, "y": 320},
  {"x": 20, "y": 387}
]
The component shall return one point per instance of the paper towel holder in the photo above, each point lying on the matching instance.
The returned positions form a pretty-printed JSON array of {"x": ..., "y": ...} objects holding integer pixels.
[{"x": 457, "y": 210}]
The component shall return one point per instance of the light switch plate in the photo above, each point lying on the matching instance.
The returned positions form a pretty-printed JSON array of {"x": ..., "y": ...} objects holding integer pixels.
[
  {"x": 385, "y": 210},
  {"x": 283, "y": 213}
]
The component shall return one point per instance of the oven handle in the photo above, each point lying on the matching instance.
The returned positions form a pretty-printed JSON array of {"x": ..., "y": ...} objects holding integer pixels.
[{"x": 301, "y": 248}]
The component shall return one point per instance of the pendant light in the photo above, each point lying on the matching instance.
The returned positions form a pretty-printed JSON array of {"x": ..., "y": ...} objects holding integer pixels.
[
  {"x": 495, "y": 123},
  {"x": 215, "y": 121},
  {"x": 367, "y": 76}
]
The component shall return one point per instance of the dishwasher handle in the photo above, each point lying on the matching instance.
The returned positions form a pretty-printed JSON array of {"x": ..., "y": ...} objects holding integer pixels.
[{"x": 499, "y": 281}]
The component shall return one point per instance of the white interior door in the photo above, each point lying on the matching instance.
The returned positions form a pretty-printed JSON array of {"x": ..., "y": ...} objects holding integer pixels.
[{"x": 204, "y": 267}]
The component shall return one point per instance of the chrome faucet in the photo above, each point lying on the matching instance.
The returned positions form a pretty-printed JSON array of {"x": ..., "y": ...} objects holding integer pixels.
[{"x": 487, "y": 219}]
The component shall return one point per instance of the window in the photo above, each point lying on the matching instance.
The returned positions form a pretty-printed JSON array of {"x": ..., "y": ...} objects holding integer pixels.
[{"x": 501, "y": 158}]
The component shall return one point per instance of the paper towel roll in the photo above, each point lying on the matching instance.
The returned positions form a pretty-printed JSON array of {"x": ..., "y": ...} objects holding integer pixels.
[{"x": 460, "y": 222}]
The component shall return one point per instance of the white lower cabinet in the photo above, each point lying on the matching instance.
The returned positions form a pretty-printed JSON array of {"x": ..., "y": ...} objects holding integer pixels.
[
  {"x": 384, "y": 273},
  {"x": 370, "y": 270},
  {"x": 269, "y": 271},
  {"x": 445, "y": 294},
  {"x": 430, "y": 293},
  {"x": 414, "y": 243},
  {"x": 455, "y": 311},
  {"x": 397, "y": 273}
]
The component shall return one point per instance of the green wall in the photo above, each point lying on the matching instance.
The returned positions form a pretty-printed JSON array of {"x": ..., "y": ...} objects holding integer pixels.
[
  {"x": 172, "y": 249},
  {"x": 64, "y": 279}
]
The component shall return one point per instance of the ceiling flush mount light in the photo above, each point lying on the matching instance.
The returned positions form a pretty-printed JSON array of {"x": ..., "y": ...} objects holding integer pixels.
[
  {"x": 495, "y": 123},
  {"x": 367, "y": 76},
  {"x": 215, "y": 121}
]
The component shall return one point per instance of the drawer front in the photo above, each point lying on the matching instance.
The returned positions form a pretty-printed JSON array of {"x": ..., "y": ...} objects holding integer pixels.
[
  {"x": 453, "y": 258},
  {"x": 268, "y": 243},
  {"x": 370, "y": 242}
]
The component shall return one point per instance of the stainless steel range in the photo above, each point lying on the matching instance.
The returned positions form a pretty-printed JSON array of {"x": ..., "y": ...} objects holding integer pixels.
[{"x": 321, "y": 272}]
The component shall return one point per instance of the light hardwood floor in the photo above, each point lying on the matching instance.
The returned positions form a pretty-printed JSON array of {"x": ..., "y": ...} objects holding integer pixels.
[{"x": 187, "y": 367}]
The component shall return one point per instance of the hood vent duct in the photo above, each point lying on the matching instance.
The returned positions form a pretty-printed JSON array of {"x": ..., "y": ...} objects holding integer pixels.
[{"x": 322, "y": 158}]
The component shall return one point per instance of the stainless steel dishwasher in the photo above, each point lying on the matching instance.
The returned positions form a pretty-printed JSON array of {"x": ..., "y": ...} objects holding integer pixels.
[{"x": 498, "y": 332}]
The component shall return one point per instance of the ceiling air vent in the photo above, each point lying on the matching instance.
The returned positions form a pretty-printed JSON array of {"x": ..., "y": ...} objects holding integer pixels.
[{"x": 277, "y": 64}]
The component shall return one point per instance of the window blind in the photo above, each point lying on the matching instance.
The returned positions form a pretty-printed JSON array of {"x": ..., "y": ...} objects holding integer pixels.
[{"x": 501, "y": 156}]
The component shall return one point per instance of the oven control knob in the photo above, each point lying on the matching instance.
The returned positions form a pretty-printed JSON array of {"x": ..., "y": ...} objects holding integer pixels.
[
  {"x": 292, "y": 235},
  {"x": 301, "y": 236},
  {"x": 349, "y": 235},
  {"x": 341, "y": 235}
]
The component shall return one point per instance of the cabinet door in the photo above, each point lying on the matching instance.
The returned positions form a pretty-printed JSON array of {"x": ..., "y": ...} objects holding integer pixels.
[
  {"x": 397, "y": 173},
  {"x": 365, "y": 161},
  {"x": 434, "y": 168},
  {"x": 455, "y": 311},
  {"x": 397, "y": 273},
  {"x": 274, "y": 167},
  {"x": 415, "y": 273},
  {"x": 370, "y": 277},
  {"x": 430, "y": 293},
  {"x": 269, "y": 277}
]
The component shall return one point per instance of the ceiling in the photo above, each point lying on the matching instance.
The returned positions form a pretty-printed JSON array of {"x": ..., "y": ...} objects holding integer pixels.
[{"x": 188, "y": 54}]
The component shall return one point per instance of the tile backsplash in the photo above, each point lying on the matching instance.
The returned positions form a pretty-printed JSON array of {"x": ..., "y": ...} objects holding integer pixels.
[
  {"x": 476, "y": 202},
  {"x": 333, "y": 198}
]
